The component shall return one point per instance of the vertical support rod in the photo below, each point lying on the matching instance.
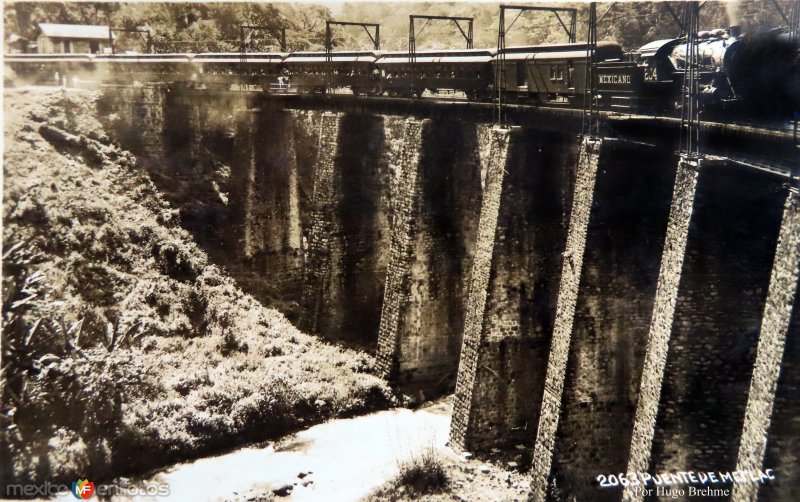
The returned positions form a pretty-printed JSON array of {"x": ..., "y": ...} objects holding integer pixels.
[
  {"x": 690, "y": 111},
  {"x": 573, "y": 27},
  {"x": 328, "y": 57},
  {"x": 499, "y": 73},
  {"x": 412, "y": 51},
  {"x": 590, "y": 126},
  {"x": 242, "y": 58}
]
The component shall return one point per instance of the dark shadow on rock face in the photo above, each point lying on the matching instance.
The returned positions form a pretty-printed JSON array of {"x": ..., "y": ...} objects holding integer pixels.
[
  {"x": 621, "y": 263},
  {"x": 523, "y": 288},
  {"x": 784, "y": 432},
  {"x": 445, "y": 230},
  {"x": 361, "y": 250},
  {"x": 723, "y": 288}
]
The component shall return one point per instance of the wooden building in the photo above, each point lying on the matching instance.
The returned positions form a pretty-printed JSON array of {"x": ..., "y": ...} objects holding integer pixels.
[{"x": 72, "y": 39}]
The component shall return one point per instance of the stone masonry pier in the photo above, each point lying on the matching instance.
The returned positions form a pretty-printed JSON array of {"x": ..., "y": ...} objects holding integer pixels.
[{"x": 598, "y": 306}]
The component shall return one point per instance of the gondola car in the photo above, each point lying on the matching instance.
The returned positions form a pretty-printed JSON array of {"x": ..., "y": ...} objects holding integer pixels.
[
  {"x": 220, "y": 70},
  {"x": 310, "y": 72},
  {"x": 552, "y": 73},
  {"x": 468, "y": 71}
]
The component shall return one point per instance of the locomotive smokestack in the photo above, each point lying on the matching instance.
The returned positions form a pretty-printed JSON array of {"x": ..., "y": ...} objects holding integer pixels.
[{"x": 734, "y": 18}]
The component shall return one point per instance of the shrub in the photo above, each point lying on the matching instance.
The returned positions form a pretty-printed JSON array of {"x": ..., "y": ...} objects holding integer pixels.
[{"x": 423, "y": 475}]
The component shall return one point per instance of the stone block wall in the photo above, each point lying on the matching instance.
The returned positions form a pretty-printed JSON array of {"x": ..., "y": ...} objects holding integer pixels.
[
  {"x": 552, "y": 395},
  {"x": 671, "y": 267},
  {"x": 723, "y": 287},
  {"x": 357, "y": 229},
  {"x": 263, "y": 223},
  {"x": 401, "y": 238},
  {"x": 139, "y": 117},
  {"x": 462, "y": 422},
  {"x": 442, "y": 241},
  {"x": 783, "y": 440},
  {"x": 508, "y": 332},
  {"x": 775, "y": 357},
  {"x": 624, "y": 244},
  {"x": 324, "y": 226}
]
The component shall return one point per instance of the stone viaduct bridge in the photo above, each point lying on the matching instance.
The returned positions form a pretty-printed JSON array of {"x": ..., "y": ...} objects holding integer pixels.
[{"x": 601, "y": 303}]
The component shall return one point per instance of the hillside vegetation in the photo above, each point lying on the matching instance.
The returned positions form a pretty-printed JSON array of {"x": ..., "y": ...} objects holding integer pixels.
[
  {"x": 123, "y": 348},
  {"x": 197, "y": 27}
]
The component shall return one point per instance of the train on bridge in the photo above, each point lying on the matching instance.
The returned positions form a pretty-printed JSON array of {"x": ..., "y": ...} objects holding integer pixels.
[{"x": 754, "y": 74}]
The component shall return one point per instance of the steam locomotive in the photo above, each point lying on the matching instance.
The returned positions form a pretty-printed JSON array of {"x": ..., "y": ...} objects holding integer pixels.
[{"x": 757, "y": 73}]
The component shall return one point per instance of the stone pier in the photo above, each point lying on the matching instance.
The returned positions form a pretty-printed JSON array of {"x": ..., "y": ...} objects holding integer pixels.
[
  {"x": 461, "y": 428},
  {"x": 514, "y": 287},
  {"x": 624, "y": 243},
  {"x": 700, "y": 362},
  {"x": 585, "y": 177},
  {"x": 402, "y": 234},
  {"x": 323, "y": 226},
  {"x": 263, "y": 206},
  {"x": 772, "y": 340},
  {"x": 661, "y": 324}
]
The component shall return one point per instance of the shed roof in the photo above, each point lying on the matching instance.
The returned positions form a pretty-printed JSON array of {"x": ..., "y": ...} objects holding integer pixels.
[{"x": 77, "y": 31}]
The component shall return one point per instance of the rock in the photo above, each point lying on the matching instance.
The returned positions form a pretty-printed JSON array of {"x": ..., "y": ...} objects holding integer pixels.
[
  {"x": 485, "y": 469},
  {"x": 512, "y": 465},
  {"x": 466, "y": 455},
  {"x": 283, "y": 491},
  {"x": 521, "y": 447},
  {"x": 307, "y": 482},
  {"x": 495, "y": 451},
  {"x": 302, "y": 475}
]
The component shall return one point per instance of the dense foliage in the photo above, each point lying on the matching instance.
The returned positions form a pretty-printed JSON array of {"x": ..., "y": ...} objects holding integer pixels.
[
  {"x": 123, "y": 348},
  {"x": 216, "y": 26}
]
